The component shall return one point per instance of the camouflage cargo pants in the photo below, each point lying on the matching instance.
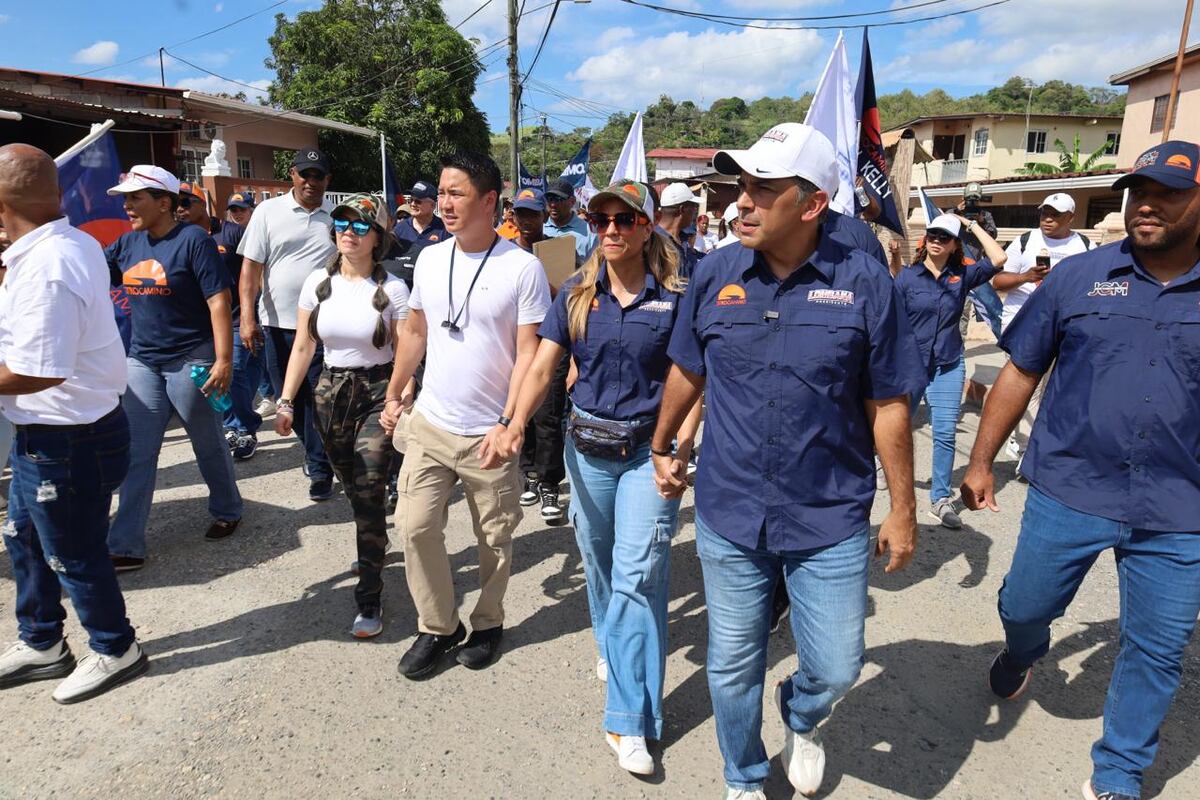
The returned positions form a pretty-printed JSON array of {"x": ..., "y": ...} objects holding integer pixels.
[{"x": 348, "y": 403}]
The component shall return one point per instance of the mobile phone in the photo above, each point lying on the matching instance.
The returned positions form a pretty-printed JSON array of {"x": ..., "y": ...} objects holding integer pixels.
[{"x": 1043, "y": 262}]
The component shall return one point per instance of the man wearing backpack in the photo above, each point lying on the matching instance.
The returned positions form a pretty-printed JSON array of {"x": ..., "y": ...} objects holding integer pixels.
[{"x": 1052, "y": 241}]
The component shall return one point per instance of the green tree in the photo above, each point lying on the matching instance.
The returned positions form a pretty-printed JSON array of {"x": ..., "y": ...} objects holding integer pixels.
[
  {"x": 1068, "y": 161},
  {"x": 392, "y": 65}
]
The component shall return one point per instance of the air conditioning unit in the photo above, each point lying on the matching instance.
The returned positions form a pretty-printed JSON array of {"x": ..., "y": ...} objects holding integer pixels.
[{"x": 207, "y": 131}]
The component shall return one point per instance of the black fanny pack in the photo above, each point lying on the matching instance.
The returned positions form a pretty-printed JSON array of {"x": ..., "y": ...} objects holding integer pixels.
[{"x": 608, "y": 439}]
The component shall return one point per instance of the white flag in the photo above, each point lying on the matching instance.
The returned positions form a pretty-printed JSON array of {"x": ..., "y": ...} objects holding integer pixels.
[
  {"x": 632, "y": 163},
  {"x": 832, "y": 113}
]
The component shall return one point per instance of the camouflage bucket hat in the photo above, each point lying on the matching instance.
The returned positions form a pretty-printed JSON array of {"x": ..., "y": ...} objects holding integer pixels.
[{"x": 368, "y": 207}]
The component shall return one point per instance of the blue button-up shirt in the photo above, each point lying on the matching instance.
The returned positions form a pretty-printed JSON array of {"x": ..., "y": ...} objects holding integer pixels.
[
  {"x": 935, "y": 306},
  {"x": 622, "y": 359},
  {"x": 435, "y": 231},
  {"x": 854, "y": 233},
  {"x": 787, "y": 446},
  {"x": 1118, "y": 433},
  {"x": 585, "y": 240}
]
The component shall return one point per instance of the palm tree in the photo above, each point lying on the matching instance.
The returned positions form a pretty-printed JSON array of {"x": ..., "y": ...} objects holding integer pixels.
[{"x": 1068, "y": 161}]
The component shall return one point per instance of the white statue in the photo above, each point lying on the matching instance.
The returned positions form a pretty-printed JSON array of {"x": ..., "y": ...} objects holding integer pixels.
[{"x": 215, "y": 163}]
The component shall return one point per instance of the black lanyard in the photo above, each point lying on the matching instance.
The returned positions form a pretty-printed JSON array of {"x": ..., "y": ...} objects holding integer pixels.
[{"x": 452, "y": 324}]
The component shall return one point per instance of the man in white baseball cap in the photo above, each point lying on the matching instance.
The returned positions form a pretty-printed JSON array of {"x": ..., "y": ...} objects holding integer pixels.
[
  {"x": 800, "y": 347},
  {"x": 679, "y": 207},
  {"x": 1031, "y": 256}
]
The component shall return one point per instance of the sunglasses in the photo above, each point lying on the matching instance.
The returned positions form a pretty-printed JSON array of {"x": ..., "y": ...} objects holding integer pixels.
[
  {"x": 186, "y": 202},
  {"x": 625, "y": 221},
  {"x": 938, "y": 236},
  {"x": 359, "y": 227}
]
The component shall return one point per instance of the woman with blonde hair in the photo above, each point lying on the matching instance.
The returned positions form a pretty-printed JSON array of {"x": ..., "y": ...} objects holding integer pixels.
[
  {"x": 356, "y": 309},
  {"x": 615, "y": 318}
]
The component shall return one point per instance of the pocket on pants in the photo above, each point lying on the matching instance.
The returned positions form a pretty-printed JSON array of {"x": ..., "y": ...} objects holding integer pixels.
[{"x": 659, "y": 554}]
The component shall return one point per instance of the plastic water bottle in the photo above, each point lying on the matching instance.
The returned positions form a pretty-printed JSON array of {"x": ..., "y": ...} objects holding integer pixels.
[{"x": 219, "y": 402}]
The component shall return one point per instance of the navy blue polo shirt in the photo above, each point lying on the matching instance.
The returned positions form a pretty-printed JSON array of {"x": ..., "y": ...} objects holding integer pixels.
[
  {"x": 435, "y": 231},
  {"x": 787, "y": 446},
  {"x": 622, "y": 359},
  {"x": 228, "y": 236},
  {"x": 1118, "y": 433},
  {"x": 935, "y": 306},
  {"x": 855, "y": 234}
]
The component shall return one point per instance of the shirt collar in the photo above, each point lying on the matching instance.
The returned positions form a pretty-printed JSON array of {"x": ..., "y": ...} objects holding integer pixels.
[
  {"x": 651, "y": 287},
  {"x": 32, "y": 239},
  {"x": 1122, "y": 259},
  {"x": 824, "y": 259},
  {"x": 297, "y": 206}
]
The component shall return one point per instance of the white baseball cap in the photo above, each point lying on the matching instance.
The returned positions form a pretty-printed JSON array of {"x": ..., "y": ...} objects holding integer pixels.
[
  {"x": 677, "y": 194},
  {"x": 946, "y": 222},
  {"x": 1060, "y": 202},
  {"x": 789, "y": 150},
  {"x": 146, "y": 176},
  {"x": 731, "y": 213}
]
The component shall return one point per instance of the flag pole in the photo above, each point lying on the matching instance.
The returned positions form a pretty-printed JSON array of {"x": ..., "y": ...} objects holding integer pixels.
[
  {"x": 98, "y": 130},
  {"x": 1171, "y": 98},
  {"x": 383, "y": 170}
]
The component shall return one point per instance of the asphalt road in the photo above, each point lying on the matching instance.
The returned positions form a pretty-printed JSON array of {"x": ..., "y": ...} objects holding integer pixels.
[{"x": 256, "y": 689}]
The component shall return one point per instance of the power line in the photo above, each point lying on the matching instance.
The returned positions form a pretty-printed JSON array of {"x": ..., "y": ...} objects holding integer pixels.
[
  {"x": 714, "y": 17},
  {"x": 486, "y": 3},
  {"x": 886, "y": 24},
  {"x": 542, "y": 43}
]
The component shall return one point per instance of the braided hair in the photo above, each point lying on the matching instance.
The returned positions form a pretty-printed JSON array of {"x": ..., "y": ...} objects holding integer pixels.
[{"x": 379, "y": 301}]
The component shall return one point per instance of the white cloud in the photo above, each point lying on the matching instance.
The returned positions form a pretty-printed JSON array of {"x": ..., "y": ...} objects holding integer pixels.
[
  {"x": 214, "y": 85},
  {"x": 167, "y": 62},
  {"x": 218, "y": 8},
  {"x": 614, "y": 36},
  {"x": 100, "y": 54},
  {"x": 749, "y": 63},
  {"x": 4, "y": 18}
]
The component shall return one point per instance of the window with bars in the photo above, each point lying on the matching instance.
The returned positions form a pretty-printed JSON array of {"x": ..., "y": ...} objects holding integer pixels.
[
  {"x": 1035, "y": 142},
  {"x": 191, "y": 161},
  {"x": 245, "y": 168},
  {"x": 980, "y": 142},
  {"x": 1158, "y": 117}
]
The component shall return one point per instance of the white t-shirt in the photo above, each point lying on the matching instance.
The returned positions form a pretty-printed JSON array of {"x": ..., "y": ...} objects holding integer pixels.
[
  {"x": 730, "y": 238},
  {"x": 706, "y": 243},
  {"x": 291, "y": 242},
  {"x": 347, "y": 321},
  {"x": 56, "y": 321},
  {"x": 467, "y": 373},
  {"x": 1019, "y": 262}
]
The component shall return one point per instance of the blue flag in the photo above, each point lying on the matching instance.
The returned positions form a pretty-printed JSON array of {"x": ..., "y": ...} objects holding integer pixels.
[
  {"x": 392, "y": 193},
  {"x": 531, "y": 182},
  {"x": 872, "y": 161},
  {"x": 576, "y": 171}
]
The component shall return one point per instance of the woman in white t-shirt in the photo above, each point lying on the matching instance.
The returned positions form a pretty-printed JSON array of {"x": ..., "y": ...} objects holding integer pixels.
[{"x": 356, "y": 309}]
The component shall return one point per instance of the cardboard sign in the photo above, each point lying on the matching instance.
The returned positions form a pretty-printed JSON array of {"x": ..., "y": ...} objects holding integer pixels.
[{"x": 558, "y": 257}]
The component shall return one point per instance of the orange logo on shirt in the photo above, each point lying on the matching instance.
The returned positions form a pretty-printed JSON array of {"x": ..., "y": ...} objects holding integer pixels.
[
  {"x": 953, "y": 279},
  {"x": 731, "y": 295},
  {"x": 595, "y": 304},
  {"x": 146, "y": 278}
]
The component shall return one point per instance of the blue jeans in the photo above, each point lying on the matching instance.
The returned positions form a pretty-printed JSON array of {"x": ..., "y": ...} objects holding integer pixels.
[
  {"x": 247, "y": 374},
  {"x": 988, "y": 306},
  {"x": 63, "y": 478},
  {"x": 1159, "y": 583},
  {"x": 828, "y": 592},
  {"x": 153, "y": 396},
  {"x": 624, "y": 529},
  {"x": 279, "y": 350},
  {"x": 943, "y": 395}
]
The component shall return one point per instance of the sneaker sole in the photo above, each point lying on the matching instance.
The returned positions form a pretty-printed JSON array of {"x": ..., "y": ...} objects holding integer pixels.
[
  {"x": 553, "y": 518},
  {"x": 129, "y": 568},
  {"x": 135, "y": 669},
  {"x": 944, "y": 525},
  {"x": 616, "y": 748},
  {"x": 1020, "y": 689},
  {"x": 367, "y": 634},
  {"x": 39, "y": 672},
  {"x": 433, "y": 665},
  {"x": 533, "y": 501}
]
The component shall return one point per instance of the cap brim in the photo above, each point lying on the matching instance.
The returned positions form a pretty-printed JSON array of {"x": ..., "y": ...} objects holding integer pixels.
[
  {"x": 528, "y": 207},
  {"x": 310, "y": 165},
  {"x": 736, "y": 162},
  {"x": 942, "y": 230},
  {"x": 1171, "y": 178},
  {"x": 627, "y": 199},
  {"x": 129, "y": 187}
]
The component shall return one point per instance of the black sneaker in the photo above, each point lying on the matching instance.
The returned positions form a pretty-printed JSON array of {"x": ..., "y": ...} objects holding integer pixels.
[
  {"x": 231, "y": 437},
  {"x": 552, "y": 510},
  {"x": 422, "y": 658},
  {"x": 1090, "y": 793},
  {"x": 221, "y": 528},
  {"x": 320, "y": 489},
  {"x": 245, "y": 447},
  {"x": 481, "y": 648},
  {"x": 127, "y": 563},
  {"x": 780, "y": 603},
  {"x": 529, "y": 497},
  {"x": 1006, "y": 679}
]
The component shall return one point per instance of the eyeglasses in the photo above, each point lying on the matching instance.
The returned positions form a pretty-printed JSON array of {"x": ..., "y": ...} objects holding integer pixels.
[
  {"x": 359, "y": 227},
  {"x": 185, "y": 201},
  {"x": 625, "y": 221},
  {"x": 941, "y": 237}
]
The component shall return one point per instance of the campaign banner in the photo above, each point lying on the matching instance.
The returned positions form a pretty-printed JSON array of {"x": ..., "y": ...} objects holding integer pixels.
[
  {"x": 872, "y": 160},
  {"x": 576, "y": 171},
  {"x": 531, "y": 181}
]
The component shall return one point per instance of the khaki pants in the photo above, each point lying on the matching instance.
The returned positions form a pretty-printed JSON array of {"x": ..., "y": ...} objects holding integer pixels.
[
  {"x": 434, "y": 460},
  {"x": 1025, "y": 423}
]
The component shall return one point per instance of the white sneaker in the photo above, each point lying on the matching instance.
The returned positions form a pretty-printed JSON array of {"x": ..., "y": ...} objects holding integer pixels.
[
  {"x": 1012, "y": 448},
  {"x": 602, "y": 670},
  {"x": 21, "y": 663},
  {"x": 632, "y": 754},
  {"x": 98, "y": 673},
  {"x": 265, "y": 407},
  {"x": 803, "y": 754},
  {"x": 744, "y": 794}
]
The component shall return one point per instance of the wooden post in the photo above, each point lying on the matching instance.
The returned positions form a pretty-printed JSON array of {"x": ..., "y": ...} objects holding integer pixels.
[
  {"x": 901, "y": 176},
  {"x": 1172, "y": 97}
]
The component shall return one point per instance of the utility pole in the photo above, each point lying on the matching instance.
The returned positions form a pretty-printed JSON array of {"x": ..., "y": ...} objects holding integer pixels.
[
  {"x": 514, "y": 98},
  {"x": 545, "y": 175},
  {"x": 162, "y": 73},
  {"x": 1172, "y": 97}
]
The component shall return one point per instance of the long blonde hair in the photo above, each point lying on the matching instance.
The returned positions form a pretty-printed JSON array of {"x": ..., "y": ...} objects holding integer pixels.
[{"x": 661, "y": 260}]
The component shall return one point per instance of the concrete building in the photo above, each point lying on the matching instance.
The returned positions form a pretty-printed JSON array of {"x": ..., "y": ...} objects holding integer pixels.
[
  {"x": 681, "y": 163},
  {"x": 1146, "y": 103}
]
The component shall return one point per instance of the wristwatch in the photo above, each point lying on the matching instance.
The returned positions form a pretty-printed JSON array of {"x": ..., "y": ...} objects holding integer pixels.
[{"x": 505, "y": 421}]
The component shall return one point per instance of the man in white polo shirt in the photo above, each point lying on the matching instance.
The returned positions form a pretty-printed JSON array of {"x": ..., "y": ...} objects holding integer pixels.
[
  {"x": 476, "y": 304},
  {"x": 287, "y": 239},
  {"x": 62, "y": 371}
]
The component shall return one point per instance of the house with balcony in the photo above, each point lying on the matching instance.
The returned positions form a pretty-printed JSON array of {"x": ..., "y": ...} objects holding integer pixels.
[{"x": 1146, "y": 104}]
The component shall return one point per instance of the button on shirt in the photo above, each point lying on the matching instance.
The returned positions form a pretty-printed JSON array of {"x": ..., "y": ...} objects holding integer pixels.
[
  {"x": 1118, "y": 434},
  {"x": 622, "y": 358},
  {"x": 435, "y": 231},
  {"x": 585, "y": 240},
  {"x": 935, "y": 306},
  {"x": 56, "y": 321},
  {"x": 789, "y": 365},
  {"x": 290, "y": 241}
]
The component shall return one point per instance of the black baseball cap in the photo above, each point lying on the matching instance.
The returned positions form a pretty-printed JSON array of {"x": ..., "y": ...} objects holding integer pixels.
[
  {"x": 562, "y": 189},
  {"x": 312, "y": 158},
  {"x": 423, "y": 190}
]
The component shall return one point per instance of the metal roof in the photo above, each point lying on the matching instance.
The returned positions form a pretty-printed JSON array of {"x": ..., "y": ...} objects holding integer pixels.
[
  {"x": 1067, "y": 180},
  {"x": 1123, "y": 78},
  {"x": 1001, "y": 115},
  {"x": 694, "y": 153},
  {"x": 198, "y": 101}
]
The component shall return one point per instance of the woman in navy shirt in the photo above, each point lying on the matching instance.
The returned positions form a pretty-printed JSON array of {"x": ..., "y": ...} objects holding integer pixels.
[
  {"x": 934, "y": 290},
  {"x": 615, "y": 318}
]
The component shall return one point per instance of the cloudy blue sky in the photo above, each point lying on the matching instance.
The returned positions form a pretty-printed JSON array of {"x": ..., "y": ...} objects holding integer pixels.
[{"x": 614, "y": 55}]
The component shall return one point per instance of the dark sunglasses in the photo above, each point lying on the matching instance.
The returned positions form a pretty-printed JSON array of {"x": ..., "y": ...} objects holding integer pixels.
[
  {"x": 625, "y": 221},
  {"x": 359, "y": 227},
  {"x": 186, "y": 202},
  {"x": 941, "y": 237}
]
